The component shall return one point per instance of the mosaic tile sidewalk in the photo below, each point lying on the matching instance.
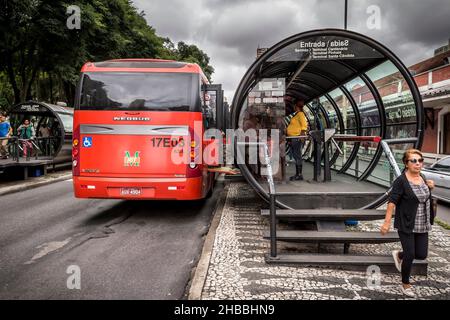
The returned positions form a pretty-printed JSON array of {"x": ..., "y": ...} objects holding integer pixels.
[{"x": 237, "y": 268}]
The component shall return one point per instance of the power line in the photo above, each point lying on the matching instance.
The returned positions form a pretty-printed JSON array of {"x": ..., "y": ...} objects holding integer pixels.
[{"x": 345, "y": 14}]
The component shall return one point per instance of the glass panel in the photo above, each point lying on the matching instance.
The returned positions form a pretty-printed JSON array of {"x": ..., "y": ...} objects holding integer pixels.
[
  {"x": 265, "y": 108},
  {"x": 365, "y": 102},
  {"x": 348, "y": 117},
  {"x": 310, "y": 117},
  {"x": 399, "y": 108},
  {"x": 331, "y": 113},
  {"x": 394, "y": 92},
  {"x": 345, "y": 108},
  {"x": 209, "y": 109},
  {"x": 370, "y": 124},
  {"x": 67, "y": 120},
  {"x": 383, "y": 173},
  {"x": 401, "y": 131}
]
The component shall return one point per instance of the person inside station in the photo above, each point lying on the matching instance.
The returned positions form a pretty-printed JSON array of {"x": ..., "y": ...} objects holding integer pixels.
[
  {"x": 26, "y": 133},
  {"x": 44, "y": 131},
  {"x": 5, "y": 133},
  {"x": 44, "y": 135},
  {"x": 297, "y": 127}
]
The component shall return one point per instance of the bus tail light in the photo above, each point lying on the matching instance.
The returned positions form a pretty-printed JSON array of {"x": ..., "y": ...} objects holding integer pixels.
[
  {"x": 76, "y": 152},
  {"x": 194, "y": 169}
]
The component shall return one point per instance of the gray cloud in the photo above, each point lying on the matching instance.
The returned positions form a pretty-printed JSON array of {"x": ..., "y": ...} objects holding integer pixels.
[{"x": 230, "y": 31}]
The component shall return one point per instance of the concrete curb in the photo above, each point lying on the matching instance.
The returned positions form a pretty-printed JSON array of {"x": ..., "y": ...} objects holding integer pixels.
[
  {"x": 33, "y": 184},
  {"x": 201, "y": 271}
]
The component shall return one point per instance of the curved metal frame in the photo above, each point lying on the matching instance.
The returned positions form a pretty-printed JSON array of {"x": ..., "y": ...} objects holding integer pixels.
[
  {"x": 382, "y": 112},
  {"x": 250, "y": 78},
  {"x": 382, "y": 115},
  {"x": 341, "y": 126},
  {"x": 56, "y": 114},
  {"x": 356, "y": 145}
]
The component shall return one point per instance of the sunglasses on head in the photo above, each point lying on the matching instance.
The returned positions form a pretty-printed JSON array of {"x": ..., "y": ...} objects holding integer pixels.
[{"x": 416, "y": 160}]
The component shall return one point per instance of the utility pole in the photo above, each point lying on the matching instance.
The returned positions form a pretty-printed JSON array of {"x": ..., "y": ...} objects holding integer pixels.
[{"x": 345, "y": 14}]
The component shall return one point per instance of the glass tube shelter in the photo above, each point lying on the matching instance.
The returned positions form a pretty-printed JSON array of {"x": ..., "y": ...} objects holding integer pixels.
[{"x": 348, "y": 82}]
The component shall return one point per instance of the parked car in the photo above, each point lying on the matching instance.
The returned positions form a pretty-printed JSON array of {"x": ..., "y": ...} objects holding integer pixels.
[{"x": 439, "y": 172}]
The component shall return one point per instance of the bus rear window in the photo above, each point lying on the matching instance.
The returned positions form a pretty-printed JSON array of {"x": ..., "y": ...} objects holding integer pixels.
[{"x": 139, "y": 91}]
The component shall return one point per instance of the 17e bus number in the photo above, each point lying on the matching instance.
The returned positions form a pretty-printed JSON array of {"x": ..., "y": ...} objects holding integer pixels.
[{"x": 167, "y": 142}]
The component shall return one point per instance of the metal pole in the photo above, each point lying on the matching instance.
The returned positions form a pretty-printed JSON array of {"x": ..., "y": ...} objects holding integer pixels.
[
  {"x": 273, "y": 212},
  {"x": 17, "y": 149},
  {"x": 326, "y": 162},
  {"x": 273, "y": 227},
  {"x": 345, "y": 15}
]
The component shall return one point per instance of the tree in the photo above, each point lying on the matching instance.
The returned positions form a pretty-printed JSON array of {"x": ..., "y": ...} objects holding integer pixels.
[
  {"x": 191, "y": 53},
  {"x": 40, "y": 57}
]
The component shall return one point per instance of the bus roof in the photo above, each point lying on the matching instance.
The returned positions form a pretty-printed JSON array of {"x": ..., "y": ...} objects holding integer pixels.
[{"x": 142, "y": 65}]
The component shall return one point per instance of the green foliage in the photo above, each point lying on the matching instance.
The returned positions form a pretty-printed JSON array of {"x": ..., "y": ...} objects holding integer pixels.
[
  {"x": 187, "y": 53},
  {"x": 442, "y": 224},
  {"x": 40, "y": 58},
  {"x": 190, "y": 53}
]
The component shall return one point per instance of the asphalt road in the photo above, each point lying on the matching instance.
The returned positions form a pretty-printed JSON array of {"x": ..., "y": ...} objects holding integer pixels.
[{"x": 123, "y": 249}]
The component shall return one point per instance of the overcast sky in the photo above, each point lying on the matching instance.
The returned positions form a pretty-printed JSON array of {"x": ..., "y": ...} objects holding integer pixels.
[{"x": 229, "y": 31}]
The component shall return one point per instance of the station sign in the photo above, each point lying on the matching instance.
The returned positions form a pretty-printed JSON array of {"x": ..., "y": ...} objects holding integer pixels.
[
  {"x": 325, "y": 48},
  {"x": 32, "y": 108}
]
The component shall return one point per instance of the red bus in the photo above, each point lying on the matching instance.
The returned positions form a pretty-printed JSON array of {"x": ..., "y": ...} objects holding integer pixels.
[{"x": 131, "y": 117}]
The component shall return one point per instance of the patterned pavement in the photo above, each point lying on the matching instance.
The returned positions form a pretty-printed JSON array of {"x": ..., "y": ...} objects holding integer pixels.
[{"x": 237, "y": 269}]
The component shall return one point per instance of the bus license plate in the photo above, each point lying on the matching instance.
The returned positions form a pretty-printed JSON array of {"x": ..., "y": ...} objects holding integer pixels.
[{"x": 130, "y": 191}]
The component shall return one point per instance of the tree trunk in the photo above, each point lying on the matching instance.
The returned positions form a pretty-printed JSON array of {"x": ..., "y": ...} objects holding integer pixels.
[
  {"x": 30, "y": 84},
  {"x": 12, "y": 78},
  {"x": 51, "y": 86},
  {"x": 69, "y": 91}
]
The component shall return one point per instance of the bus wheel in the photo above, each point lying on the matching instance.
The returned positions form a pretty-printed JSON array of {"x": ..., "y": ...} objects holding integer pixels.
[{"x": 211, "y": 190}]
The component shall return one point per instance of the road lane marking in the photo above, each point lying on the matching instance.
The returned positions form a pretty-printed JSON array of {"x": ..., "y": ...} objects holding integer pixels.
[{"x": 47, "y": 248}]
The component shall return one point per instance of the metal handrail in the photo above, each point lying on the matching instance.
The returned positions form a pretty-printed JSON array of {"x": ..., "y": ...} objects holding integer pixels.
[
  {"x": 15, "y": 141},
  {"x": 272, "y": 196},
  {"x": 387, "y": 150},
  {"x": 394, "y": 165}
]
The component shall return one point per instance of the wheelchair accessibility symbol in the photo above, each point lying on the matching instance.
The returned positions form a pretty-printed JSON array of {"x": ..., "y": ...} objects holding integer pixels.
[{"x": 87, "y": 142}]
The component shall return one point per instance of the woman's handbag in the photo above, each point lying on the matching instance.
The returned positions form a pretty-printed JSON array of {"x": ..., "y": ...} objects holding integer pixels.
[
  {"x": 433, "y": 209},
  {"x": 433, "y": 202}
]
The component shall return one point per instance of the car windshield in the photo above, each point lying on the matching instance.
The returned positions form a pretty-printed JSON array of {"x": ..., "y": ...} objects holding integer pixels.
[{"x": 443, "y": 165}]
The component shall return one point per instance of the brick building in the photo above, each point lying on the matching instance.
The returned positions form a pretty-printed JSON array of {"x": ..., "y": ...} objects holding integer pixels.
[{"x": 433, "y": 79}]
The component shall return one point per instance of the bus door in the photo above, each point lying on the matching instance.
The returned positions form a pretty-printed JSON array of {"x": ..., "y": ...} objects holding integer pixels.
[{"x": 214, "y": 124}]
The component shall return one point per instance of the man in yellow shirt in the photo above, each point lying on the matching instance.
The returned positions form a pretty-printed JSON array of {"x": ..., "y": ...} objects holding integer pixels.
[{"x": 298, "y": 126}]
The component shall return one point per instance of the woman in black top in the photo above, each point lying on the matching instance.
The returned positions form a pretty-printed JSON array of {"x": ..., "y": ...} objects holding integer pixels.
[{"x": 411, "y": 199}]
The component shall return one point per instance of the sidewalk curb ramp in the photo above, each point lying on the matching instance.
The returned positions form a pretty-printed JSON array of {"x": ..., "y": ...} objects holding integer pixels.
[
  {"x": 32, "y": 184},
  {"x": 201, "y": 271}
]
